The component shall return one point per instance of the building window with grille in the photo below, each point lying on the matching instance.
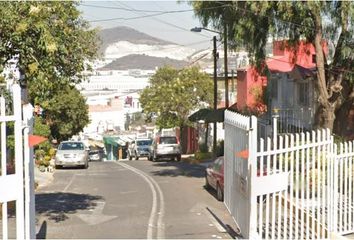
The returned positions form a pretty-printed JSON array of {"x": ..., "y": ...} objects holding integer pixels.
[{"x": 303, "y": 93}]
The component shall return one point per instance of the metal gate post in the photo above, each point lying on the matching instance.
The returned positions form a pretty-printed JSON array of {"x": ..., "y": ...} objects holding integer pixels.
[
  {"x": 20, "y": 215},
  {"x": 29, "y": 174},
  {"x": 252, "y": 174}
]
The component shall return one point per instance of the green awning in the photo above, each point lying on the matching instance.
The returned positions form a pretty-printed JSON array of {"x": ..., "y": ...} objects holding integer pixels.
[
  {"x": 110, "y": 141},
  {"x": 208, "y": 115}
]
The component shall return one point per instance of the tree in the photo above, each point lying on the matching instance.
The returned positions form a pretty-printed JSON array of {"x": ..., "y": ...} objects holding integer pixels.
[
  {"x": 66, "y": 113},
  {"x": 173, "y": 94},
  {"x": 48, "y": 42},
  {"x": 52, "y": 46},
  {"x": 249, "y": 25}
]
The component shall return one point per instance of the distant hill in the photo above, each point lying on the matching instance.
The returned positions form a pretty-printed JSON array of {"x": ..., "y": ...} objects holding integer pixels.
[
  {"x": 143, "y": 62},
  {"x": 113, "y": 35}
]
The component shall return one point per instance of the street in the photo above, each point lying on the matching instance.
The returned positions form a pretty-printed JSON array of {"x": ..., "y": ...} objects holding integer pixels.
[{"x": 131, "y": 199}]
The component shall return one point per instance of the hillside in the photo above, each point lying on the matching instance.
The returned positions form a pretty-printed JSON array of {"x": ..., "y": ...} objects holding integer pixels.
[
  {"x": 143, "y": 62},
  {"x": 113, "y": 35}
]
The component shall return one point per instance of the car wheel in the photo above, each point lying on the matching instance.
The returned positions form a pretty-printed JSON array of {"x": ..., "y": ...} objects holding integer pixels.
[
  {"x": 219, "y": 193},
  {"x": 178, "y": 158}
]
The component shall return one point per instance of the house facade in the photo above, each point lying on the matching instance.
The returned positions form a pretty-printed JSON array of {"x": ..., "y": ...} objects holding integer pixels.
[{"x": 287, "y": 92}]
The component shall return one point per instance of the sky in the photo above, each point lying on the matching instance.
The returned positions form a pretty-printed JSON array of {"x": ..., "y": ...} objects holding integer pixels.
[{"x": 173, "y": 27}]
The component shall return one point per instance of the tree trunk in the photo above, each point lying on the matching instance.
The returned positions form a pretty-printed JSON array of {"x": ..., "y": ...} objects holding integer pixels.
[
  {"x": 325, "y": 112},
  {"x": 325, "y": 116},
  {"x": 344, "y": 122}
]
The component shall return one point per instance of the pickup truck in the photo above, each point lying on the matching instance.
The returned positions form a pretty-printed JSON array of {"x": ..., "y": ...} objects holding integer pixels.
[{"x": 140, "y": 147}]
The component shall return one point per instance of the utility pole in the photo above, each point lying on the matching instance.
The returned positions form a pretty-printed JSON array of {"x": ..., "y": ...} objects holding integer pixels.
[
  {"x": 215, "y": 94},
  {"x": 225, "y": 68}
]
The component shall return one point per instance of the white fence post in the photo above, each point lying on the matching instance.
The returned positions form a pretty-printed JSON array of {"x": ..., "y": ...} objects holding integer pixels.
[
  {"x": 29, "y": 173},
  {"x": 3, "y": 165},
  {"x": 20, "y": 223},
  {"x": 252, "y": 174}
]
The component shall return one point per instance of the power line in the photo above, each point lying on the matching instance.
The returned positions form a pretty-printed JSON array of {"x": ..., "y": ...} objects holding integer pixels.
[
  {"x": 203, "y": 56},
  {"x": 162, "y": 21},
  {"x": 130, "y": 9},
  {"x": 125, "y": 19},
  {"x": 136, "y": 10}
]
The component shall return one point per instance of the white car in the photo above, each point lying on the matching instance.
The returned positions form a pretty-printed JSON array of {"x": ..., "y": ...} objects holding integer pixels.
[
  {"x": 165, "y": 147},
  {"x": 71, "y": 154}
]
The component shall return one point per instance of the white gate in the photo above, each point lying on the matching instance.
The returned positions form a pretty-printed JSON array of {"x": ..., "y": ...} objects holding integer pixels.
[
  {"x": 297, "y": 186},
  {"x": 239, "y": 137},
  {"x": 18, "y": 186}
]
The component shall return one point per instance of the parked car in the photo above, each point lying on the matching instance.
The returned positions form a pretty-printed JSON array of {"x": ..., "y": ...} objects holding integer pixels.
[
  {"x": 96, "y": 155},
  {"x": 70, "y": 154},
  {"x": 214, "y": 177},
  {"x": 140, "y": 147},
  {"x": 165, "y": 147}
]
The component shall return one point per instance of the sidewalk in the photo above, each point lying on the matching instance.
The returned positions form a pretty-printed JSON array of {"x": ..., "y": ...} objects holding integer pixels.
[{"x": 42, "y": 179}]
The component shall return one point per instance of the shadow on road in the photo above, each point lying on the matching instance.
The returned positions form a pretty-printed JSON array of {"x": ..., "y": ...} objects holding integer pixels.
[
  {"x": 57, "y": 205},
  {"x": 175, "y": 169},
  {"x": 42, "y": 233},
  {"x": 234, "y": 234}
]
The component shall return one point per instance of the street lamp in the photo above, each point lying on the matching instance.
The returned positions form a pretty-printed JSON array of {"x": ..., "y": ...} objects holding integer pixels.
[{"x": 199, "y": 29}]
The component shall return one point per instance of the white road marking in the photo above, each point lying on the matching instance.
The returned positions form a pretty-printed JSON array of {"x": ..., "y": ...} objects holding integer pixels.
[
  {"x": 154, "y": 198},
  {"x": 69, "y": 184},
  {"x": 96, "y": 217}
]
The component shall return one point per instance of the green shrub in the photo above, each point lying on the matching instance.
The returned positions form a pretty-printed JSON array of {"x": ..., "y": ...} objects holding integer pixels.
[{"x": 203, "y": 148}]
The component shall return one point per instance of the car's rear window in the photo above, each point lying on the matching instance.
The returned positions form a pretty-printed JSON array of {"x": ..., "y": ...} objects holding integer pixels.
[
  {"x": 143, "y": 142},
  {"x": 71, "y": 146},
  {"x": 168, "y": 140}
]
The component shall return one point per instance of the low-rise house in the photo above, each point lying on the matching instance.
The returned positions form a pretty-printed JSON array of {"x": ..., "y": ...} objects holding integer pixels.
[{"x": 288, "y": 89}]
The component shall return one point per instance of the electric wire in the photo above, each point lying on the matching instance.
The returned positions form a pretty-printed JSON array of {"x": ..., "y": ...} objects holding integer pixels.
[{"x": 162, "y": 21}]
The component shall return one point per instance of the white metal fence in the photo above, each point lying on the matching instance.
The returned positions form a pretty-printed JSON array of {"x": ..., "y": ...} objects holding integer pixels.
[
  {"x": 298, "y": 186},
  {"x": 236, "y": 180},
  {"x": 17, "y": 187}
]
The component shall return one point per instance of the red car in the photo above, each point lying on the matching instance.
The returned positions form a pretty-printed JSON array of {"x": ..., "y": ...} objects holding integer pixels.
[{"x": 214, "y": 177}]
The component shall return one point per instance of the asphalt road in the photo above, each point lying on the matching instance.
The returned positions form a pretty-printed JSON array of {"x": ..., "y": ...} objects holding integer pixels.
[{"x": 131, "y": 199}]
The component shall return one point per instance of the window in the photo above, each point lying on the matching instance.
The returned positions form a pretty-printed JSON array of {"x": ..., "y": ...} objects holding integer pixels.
[
  {"x": 71, "y": 146},
  {"x": 274, "y": 88},
  {"x": 168, "y": 140},
  {"x": 143, "y": 142},
  {"x": 303, "y": 93}
]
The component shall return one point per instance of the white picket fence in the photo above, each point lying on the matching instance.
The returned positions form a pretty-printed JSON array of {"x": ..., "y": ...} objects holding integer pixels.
[
  {"x": 19, "y": 186},
  {"x": 298, "y": 186}
]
